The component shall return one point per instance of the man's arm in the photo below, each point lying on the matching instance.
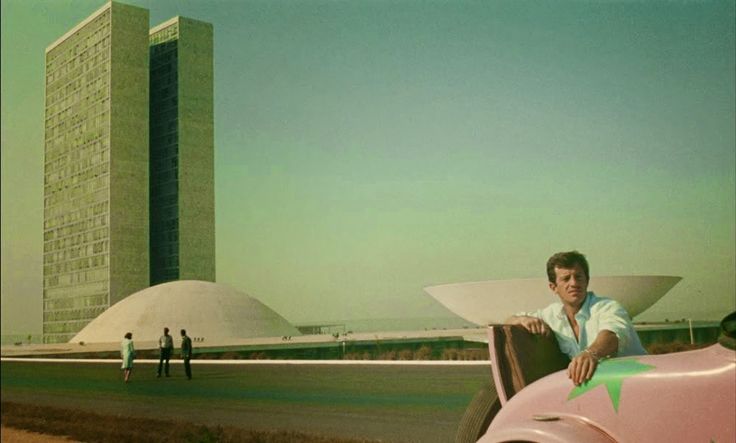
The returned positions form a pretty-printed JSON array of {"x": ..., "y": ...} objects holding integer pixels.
[
  {"x": 532, "y": 324},
  {"x": 583, "y": 366}
]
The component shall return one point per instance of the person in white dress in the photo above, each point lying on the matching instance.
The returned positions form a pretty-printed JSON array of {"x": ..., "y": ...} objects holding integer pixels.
[{"x": 127, "y": 352}]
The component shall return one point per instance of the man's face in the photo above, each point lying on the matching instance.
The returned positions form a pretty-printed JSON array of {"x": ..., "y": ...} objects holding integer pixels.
[{"x": 571, "y": 285}]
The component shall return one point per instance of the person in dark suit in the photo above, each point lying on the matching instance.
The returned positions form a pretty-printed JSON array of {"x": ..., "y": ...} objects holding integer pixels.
[{"x": 186, "y": 353}]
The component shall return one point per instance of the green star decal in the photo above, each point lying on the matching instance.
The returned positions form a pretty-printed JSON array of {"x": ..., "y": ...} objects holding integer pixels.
[{"x": 612, "y": 374}]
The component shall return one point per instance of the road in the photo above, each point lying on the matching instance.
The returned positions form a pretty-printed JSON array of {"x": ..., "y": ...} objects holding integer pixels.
[{"x": 392, "y": 403}]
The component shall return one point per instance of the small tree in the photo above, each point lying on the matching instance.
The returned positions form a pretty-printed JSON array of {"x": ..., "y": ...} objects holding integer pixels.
[{"x": 423, "y": 353}]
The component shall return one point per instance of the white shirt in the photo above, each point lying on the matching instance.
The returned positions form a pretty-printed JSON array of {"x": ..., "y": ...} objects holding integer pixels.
[
  {"x": 165, "y": 342},
  {"x": 596, "y": 314}
]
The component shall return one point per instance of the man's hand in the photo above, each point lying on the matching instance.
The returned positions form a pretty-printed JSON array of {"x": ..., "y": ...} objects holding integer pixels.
[
  {"x": 532, "y": 324},
  {"x": 582, "y": 367}
]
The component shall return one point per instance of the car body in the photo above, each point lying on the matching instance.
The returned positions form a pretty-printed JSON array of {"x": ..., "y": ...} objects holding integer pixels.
[{"x": 679, "y": 397}]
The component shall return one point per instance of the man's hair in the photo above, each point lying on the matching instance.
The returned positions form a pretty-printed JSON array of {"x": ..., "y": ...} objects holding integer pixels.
[
  {"x": 566, "y": 260},
  {"x": 128, "y": 335},
  {"x": 166, "y": 330},
  {"x": 183, "y": 332}
]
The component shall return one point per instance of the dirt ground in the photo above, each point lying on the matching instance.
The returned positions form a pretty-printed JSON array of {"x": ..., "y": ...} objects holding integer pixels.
[
  {"x": 360, "y": 402},
  {"x": 11, "y": 435}
]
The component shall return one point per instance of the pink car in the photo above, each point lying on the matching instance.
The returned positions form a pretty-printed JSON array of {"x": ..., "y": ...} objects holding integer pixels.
[{"x": 679, "y": 397}]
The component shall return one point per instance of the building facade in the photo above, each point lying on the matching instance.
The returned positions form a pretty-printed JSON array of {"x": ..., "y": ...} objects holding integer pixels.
[
  {"x": 182, "y": 206},
  {"x": 100, "y": 175}
]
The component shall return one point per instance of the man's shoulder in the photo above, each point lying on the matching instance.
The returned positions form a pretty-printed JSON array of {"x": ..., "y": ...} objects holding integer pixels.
[
  {"x": 605, "y": 306},
  {"x": 552, "y": 310},
  {"x": 599, "y": 302}
]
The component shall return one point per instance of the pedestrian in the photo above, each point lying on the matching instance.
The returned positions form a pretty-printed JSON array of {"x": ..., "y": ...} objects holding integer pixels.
[
  {"x": 127, "y": 352},
  {"x": 166, "y": 345},
  {"x": 186, "y": 353}
]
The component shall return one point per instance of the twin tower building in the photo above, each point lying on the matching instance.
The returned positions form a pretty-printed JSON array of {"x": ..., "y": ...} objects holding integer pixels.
[{"x": 128, "y": 165}]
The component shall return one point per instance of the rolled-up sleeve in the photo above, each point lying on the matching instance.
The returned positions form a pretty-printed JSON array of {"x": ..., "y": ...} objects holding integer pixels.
[
  {"x": 537, "y": 314},
  {"x": 613, "y": 317}
]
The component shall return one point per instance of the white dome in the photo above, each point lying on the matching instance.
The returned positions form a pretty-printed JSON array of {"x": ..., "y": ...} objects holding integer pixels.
[
  {"x": 204, "y": 309},
  {"x": 493, "y": 301}
]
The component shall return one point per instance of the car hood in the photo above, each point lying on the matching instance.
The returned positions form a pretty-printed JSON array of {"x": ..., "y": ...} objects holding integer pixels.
[{"x": 686, "y": 396}]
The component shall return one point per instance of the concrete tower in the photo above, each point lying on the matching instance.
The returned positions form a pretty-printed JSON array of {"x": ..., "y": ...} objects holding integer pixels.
[
  {"x": 182, "y": 189},
  {"x": 96, "y": 248},
  {"x": 119, "y": 216}
]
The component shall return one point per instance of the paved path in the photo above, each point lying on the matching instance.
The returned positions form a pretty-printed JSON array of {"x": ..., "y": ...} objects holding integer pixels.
[{"x": 393, "y": 403}]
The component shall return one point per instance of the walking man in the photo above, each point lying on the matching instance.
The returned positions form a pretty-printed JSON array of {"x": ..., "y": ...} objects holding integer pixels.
[
  {"x": 186, "y": 352},
  {"x": 166, "y": 345}
]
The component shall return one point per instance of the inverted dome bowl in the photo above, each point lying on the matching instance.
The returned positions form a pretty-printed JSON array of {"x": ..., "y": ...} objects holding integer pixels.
[{"x": 493, "y": 301}]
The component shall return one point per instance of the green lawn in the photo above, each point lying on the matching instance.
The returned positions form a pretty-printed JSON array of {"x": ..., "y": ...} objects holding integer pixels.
[{"x": 394, "y": 403}]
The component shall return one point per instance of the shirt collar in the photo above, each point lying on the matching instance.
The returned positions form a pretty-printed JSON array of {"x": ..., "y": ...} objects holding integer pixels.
[{"x": 584, "y": 311}]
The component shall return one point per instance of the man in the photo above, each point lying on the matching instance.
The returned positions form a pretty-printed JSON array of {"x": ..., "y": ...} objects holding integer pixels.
[
  {"x": 588, "y": 328},
  {"x": 186, "y": 353},
  {"x": 165, "y": 345}
]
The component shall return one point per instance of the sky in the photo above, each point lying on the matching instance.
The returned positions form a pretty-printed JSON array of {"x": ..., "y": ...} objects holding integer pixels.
[{"x": 367, "y": 149}]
